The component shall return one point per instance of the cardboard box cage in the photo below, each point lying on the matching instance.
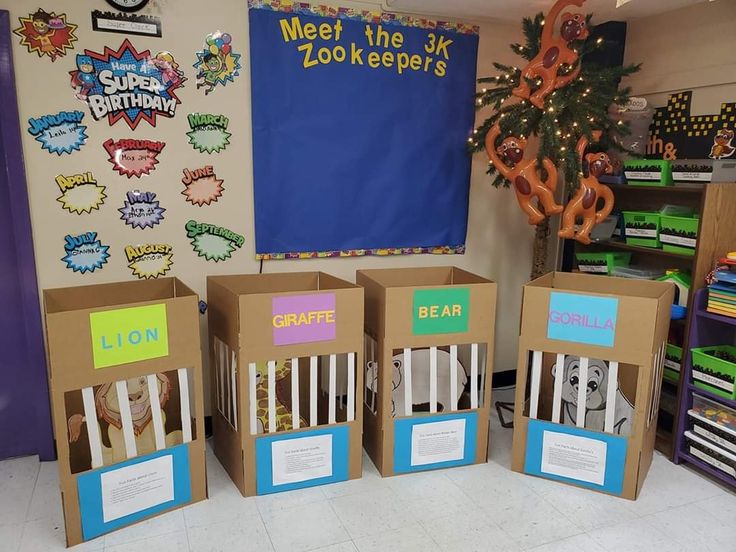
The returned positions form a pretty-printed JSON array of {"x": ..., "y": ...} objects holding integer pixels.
[
  {"x": 123, "y": 461},
  {"x": 284, "y": 352},
  {"x": 591, "y": 355},
  {"x": 429, "y": 351}
]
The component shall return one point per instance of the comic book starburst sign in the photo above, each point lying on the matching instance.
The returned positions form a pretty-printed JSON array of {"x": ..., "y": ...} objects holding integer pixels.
[
  {"x": 213, "y": 242},
  {"x": 127, "y": 84},
  {"x": 46, "y": 33},
  {"x": 80, "y": 193},
  {"x": 150, "y": 260}
]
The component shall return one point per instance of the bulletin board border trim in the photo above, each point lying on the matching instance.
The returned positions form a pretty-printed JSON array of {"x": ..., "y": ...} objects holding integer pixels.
[
  {"x": 379, "y": 252},
  {"x": 376, "y": 17}
]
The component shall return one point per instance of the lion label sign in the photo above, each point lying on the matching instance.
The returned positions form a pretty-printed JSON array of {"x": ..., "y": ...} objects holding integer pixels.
[
  {"x": 582, "y": 318},
  {"x": 122, "y": 336},
  {"x": 440, "y": 311}
]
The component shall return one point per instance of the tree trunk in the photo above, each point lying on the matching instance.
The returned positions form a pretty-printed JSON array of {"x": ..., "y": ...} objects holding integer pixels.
[{"x": 539, "y": 249}]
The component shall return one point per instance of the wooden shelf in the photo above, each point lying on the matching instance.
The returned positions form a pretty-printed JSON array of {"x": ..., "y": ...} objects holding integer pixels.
[
  {"x": 617, "y": 244},
  {"x": 684, "y": 188},
  {"x": 715, "y": 316}
]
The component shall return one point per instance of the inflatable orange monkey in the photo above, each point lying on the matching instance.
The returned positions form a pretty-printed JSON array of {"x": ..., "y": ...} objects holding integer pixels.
[
  {"x": 508, "y": 158},
  {"x": 553, "y": 53},
  {"x": 584, "y": 203}
]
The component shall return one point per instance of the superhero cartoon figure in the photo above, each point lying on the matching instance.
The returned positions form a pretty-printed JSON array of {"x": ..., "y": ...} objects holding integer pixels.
[
  {"x": 47, "y": 34},
  {"x": 216, "y": 63},
  {"x": 171, "y": 75},
  {"x": 84, "y": 78}
]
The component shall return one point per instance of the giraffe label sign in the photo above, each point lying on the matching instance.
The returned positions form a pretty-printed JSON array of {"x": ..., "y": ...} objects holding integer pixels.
[{"x": 303, "y": 318}]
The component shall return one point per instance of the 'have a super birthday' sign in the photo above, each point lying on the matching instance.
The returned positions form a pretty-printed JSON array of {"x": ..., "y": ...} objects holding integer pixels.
[
  {"x": 582, "y": 318},
  {"x": 303, "y": 318},
  {"x": 376, "y": 132}
]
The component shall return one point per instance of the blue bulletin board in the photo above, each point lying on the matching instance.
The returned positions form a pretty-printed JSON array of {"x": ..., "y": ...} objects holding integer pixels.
[{"x": 360, "y": 126}]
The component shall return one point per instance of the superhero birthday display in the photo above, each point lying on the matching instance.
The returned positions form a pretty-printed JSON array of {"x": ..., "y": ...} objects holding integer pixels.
[
  {"x": 127, "y": 84},
  {"x": 47, "y": 34}
]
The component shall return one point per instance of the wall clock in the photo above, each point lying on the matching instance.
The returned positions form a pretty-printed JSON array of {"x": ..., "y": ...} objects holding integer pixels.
[{"x": 128, "y": 5}]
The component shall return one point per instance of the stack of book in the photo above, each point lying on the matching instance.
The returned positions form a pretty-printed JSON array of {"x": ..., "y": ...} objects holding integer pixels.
[{"x": 722, "y": 290}]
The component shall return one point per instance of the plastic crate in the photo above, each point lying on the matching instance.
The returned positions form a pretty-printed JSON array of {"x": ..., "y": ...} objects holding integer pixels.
[
  {"x": 642, "y": 228},
  {"x": 678, "y": 234},
  {"x": 714, "y": 422},
  {"x": 602, "y": 263},
  {"x": 648, "y": 172},
  {"x": 672, "y": 363},
  {"x": 713, "y": 373},
  {"x": 712, "y": 454}
]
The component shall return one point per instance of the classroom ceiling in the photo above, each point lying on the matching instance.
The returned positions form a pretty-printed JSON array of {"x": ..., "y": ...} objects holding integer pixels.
[{"x": 514, "y": 10}]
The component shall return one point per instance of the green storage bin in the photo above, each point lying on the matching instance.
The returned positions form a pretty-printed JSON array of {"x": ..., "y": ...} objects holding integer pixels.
[
  {"x": 602, "y": 263},
  {"x": 648, "y": 172},
  {"x": 678, "y": 234},
  {"x": 642, "y": 228},
  {"x": 714, "y": 369},
  {"x": 672, "y": 363}
]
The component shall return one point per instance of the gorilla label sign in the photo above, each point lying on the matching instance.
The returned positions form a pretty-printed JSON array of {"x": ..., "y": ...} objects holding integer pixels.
[{"x": 582, "y": 318}]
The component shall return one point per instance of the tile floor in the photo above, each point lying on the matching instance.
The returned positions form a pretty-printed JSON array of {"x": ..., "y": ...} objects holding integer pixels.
[{"x": 485, "y": 508}]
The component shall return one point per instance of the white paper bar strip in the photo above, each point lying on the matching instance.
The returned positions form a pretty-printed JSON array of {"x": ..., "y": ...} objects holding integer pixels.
[
  {"x": 313, "y": 391},
  {"x": 483, "y": 367},
  {"x": 582, "y": 392},
  {"x": 271, "y": 396},
  {"x": 93, "y": 428},
  {"x": 453, "y": 378},
  {"x": 408, "y": 391},
  {"x": 186, "y": 413},
  {"x": 367, "y": 359},
  {"x": 536, "y": 379},
  {"x": 126, "y": 420},
  {"x": 611, "y": 396},
  {"x": 156, "y": 418},
  {"x": 557, "y": 395},
  {"x": 433, "y": 379},
  {"x": 333, "y": 388},
  {"x": 234, "y": 387},
  {"x": 474, "y": 375},
  {"x": 295, "y": 392},
  {"x": 228, "y": 379},
  {"x": 252, "y": 397},
  {"x": 351, "y": 387},
  {"x": 221, "y": 373}
]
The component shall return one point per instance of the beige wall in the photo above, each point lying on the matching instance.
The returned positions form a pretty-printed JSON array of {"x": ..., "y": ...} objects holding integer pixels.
[
  {"x": 687, "y": 49},
  {"x": 498, "y": 242}
]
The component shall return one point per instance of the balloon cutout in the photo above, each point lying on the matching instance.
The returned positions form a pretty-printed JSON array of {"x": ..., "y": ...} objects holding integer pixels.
[
  {"x": 585, "y": 201},
  {"x": 508, "y": 158},
  {"x": 554, "y": 54}
]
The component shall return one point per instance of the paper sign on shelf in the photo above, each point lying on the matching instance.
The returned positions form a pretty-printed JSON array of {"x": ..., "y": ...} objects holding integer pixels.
[
  {"x": 121, "y": 336},
  {"x": 60, "y": 133},
  {"x": 80, "y": 193},
  {"x": 580, "y": 318},
  {"x": 303, "y": 318}
]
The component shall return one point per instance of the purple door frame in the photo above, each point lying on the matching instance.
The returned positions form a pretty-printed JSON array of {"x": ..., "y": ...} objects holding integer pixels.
[{"x": 25, "y": 418}]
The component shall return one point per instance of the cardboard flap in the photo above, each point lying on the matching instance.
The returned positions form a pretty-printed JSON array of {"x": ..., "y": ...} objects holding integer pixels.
[{"x": 109, "y": 295}]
